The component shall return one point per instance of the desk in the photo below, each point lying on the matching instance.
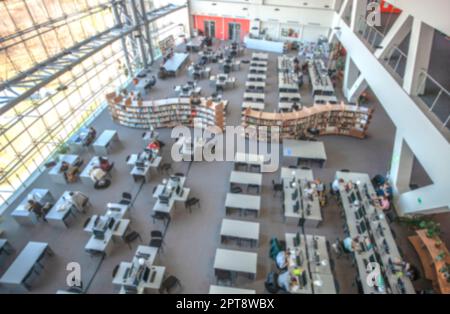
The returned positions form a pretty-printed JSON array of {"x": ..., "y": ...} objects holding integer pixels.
[
  {"x": 310, "y": 210},
  {"x": 254, "y": 77},
  {"x": 154, "y": 163},
  {"x": 236, "y": 261},
  {"x": 257, "y": 70},
  {"x": 234, "y": 65},
  {"x": 149, "y": 254},
  {"x": 176, "y": 63},
  {"x": 305, "y": 150},
  {"x": 228, "y": 290},
  {"x": 77, "y": 141},
  {"x": 195, "y": 44},
  {"x": 199, "y": 73},
  {"x": 255, "y": 86},
  {"x": 141, "y": 173},
  {"x": 182, "y": 197},
  {"x": 253, "y": 105},
  {"x": 243, "y": 202},
  {"x": 246, "y": 178},
  {"x": 150, "y": 136},
  {"x": 362, "y": 183},
  {"x": 250, "y": 159},
  {"x": 24, "y": 216},
  {"x": 100, "y": 245},
  {"x": 61, "y": 211},
  {"x": 25, "y": 264},
  {"x": 257, "y": 56},
  {"x": 323, "y": 100},
  {"x": 102, "y": 145},
  {"x": 85, "y": 174},
  {"x": 265, "y": 45},
  {"x": 236, "y": 229},
  {"x": 257, "y": 97},
  {"x": 58, "y": 176},
  {"x": 5, "y": 247}
]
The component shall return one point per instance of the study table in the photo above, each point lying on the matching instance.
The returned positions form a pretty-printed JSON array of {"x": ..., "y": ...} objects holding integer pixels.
[
  {"x": 297, "y": 204},
  {"x": 176, "y": 63},
  {"x": 265, "y": 45},
  {"x": 250, "y": 160},
  {"x": 255, "y": 86},
  {"x": 213, "y": 289},
  {"x": 223, "y": 81},
  {"x": 305, "y": 150},
  {"x": 77, "y": 141},
  {"x": 240, "y": 230},
  {"x": 257, "y": 70},
  {"x": 245, "y": 178},
  {"x": 254, "y": 96},
  {"x": 198, "y": 72},
  {"x": 85, "y": 174},
  {"x": 254, "y": 77},
  {"x": 236, "y": 262},
  {"x": 195, "y": 44},
  {"x": 26, "y": 263},
  {"x": 257, "y": 56},
  {"x": 103, "y": 144},
  {"x": 323, "y": 100},
  {"x": 140, "y": 166},
  {"x": 321, "y": 82},
  {"x": 243, "y": 202},
  {"x": 233, "y": 65},
  {"x": 253, "y": 105},
  {"x": 170, "y": 192},
  {"x": 23, "y": 215},
  {"x": 61, "y": 211},
  {"x": 58, "y": 176},
  {"x": 367, "y": 223},
  {"x": 140, "y": 274}
]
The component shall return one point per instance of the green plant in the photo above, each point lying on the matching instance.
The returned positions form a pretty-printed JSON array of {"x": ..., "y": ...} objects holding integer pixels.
[
  {"x": 63, "y": 149},
  {"x": 420, "y": 222},
  {"x": 441, "y": 256}
]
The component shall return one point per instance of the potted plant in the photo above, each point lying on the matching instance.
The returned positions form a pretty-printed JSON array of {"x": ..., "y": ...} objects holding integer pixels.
[
  {"x": 438, "y": 243},
  {"x": 440, "y": 256}
]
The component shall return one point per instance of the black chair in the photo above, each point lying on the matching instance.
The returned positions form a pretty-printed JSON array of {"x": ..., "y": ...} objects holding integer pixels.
[
  {"x": 240, "y": 165},
  {"x": 161, "y": 216},
  {"x": 130, "y": 237},
  {"x": 156, "y": 234},
  {"x": 128, "y": 158},
  {"x": 277, "y": 187},
  {"x": 157, "y": 243},
  {"x": 179, "y": 174},
  {"x": 255, "y": 168},
  {"x": 293, "y": 167},
  {"x": 114, "y": 273},
  {"x": 253, "y": 186},
  {"x": 86, "y": 222},
  {"x": 165, "y": 168},
  {"x": 126, "y": 198},
  {"x": 191, "y": 202},
  {"x": 236, "y": 190},
  {"x": 345, "y": 170},
  {"x": 336, "y": 285},
  {"x": 169, "y": 283},
  {"x": 305, "y": 168},
  {"x": 224, "y": 276}
]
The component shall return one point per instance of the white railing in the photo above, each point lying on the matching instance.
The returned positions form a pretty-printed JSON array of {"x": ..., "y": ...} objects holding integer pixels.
[
  {"x": 395, "y": 58},
  {"x": 436, "y": 97},
  {"x": 370, "y": 34}
]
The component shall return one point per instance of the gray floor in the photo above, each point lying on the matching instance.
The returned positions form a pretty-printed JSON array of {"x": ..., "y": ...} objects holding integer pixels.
[{"x": 192, "y": 239}]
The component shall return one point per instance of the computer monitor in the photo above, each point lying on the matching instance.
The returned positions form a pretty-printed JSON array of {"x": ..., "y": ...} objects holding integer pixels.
[
  {"x": 316, "y": 243},
  {"x": 363, "y": 226},
  {"x": 352, "y": 197},
  {"x": 297, "y": 239}
]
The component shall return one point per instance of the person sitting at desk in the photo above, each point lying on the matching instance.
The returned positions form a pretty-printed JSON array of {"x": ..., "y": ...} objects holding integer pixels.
[
  {"x": 384, "y": 203},
  {"x": 70, "y": 172},
  {"x": 350, "y": 245},
  {"x": 92, "y": 133},
  {"x": 97, "y": 175},
  {"x": 335, "y": 185},
  {"x": 38, "y": 209},
  {"x": 284, "y": 281},
  {"x": 282, "y": 259},
  {"x": 78, "y": 200},
  {"x": 104, "y": 164}
]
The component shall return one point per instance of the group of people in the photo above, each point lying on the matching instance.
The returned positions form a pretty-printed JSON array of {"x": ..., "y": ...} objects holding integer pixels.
[
  {"x": 98, "y": 173},
  {"x": 70, "y": 172}
]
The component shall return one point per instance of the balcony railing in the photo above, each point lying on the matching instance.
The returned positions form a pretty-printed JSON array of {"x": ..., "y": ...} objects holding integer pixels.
[
  {"x": 370, "y": 34},
  {"x": 436, "y": 97}
]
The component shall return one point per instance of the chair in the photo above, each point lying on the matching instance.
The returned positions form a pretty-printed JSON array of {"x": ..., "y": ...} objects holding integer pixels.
[
  {"x": 169, "y": 283},
  {"x": 345, "y": 170},
  {"x": 128, "y": 158},
  {"x": 236, "y": 190},
  {"x": 240, "y": 165},
  {"x": 224, "y": 276},
  {"x": 160, "y": 216},
  {"x": 305, "y": 168},
  {"x": 165, "y": 168},
  {"x": 157, "y": 243},
  {"x": 179, "y": 174},
  {"x": 253, "y": 186},
  {"x": 293, "y": 167},
  {"x": 191, "y": 202},
  {"x": 255, "y": 167},
  {"x": 86, "y": 222},
  {"x": 114, "y": 273},
  {"x": 277, "y": 187},
  {"x": 336, "y": 285},
  {"x": 156, "y": 234},
  {"x": 126, "y": 198},
  {"x": 130, "y": 237}
]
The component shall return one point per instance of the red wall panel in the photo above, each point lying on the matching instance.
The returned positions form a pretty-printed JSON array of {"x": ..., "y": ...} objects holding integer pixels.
[
  {"x": 221, "y": 25},
  {"x": 388, "y": 8}
]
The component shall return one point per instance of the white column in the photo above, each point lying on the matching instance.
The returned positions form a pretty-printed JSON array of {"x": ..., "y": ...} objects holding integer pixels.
[
  {"x": 357, "y": 89},
  {"x": 401, "y": 165},
  {"x": 359, "y": 9},
  {"x": 419, "y": 52},
  {"x": 351, "y": 73}
]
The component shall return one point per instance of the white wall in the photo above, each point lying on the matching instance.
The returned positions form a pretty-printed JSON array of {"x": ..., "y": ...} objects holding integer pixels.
[
  {"x": 435, "y": 12},
  {"x": 310, "y": 21}
]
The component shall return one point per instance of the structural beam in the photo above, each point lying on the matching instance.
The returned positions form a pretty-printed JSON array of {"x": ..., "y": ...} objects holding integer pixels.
[
  {"x": 357, "y": 89},
  {"x": 395, "y": 36}
]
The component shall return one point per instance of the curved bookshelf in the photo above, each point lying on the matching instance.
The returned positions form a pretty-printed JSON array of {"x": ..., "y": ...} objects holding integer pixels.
[
  {"x": 340, "y": 119},
  {"x": 166, "y": 113}
]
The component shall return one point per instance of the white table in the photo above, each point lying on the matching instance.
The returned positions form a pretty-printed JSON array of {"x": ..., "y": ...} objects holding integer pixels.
[
  {"x": 23, "y": 215},
  {"x": 250, "y": 159},
  {"x": 103, "y": 144},
  {"x": 305, "y": 150},
  {"x": 76, "y": 141},
  {"x": 167, "y": 208},
  {"x": 176, "y": 63},
  {"x": 253, "y": 105},
  {"x": 61, "y": 211},
  {"x": 236, "y": 261},
  {"x": 265, "y": 45},
  {"x": 85, "y": 174},
  {"x": 237, "y": 229},
  {"x": 25, "y": 264},
  {"x": 213, "y": 289},
  {"x": 246, "y": 178},
  {"x": 243, "y": 202},
  {"x": 260, "y": 56},
  {"x": 58, "y": 176}
]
